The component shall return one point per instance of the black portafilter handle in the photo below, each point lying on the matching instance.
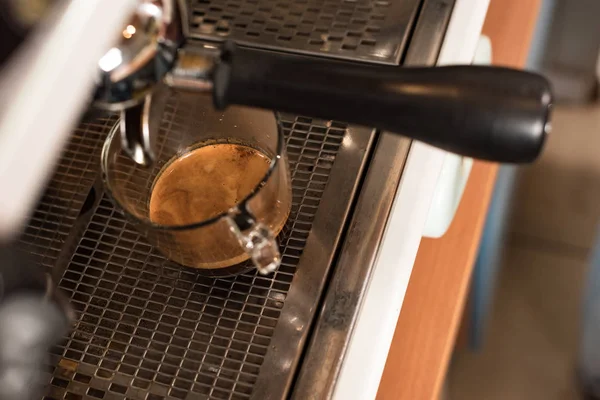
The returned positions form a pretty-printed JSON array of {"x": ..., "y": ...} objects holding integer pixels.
[{"x": 490, "y": 113}]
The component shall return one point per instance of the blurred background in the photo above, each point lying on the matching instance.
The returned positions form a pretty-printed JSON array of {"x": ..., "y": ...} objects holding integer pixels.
[{"x": 532, "y": 325}]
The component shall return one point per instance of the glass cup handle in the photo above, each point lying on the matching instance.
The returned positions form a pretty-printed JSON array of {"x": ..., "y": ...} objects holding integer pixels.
[{"x": 256, "y": 239}]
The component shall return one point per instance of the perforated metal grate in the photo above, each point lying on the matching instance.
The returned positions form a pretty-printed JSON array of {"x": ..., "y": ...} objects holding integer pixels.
[
  {"x": 61, "y": 203},
  {"x": 149, "y": 329},
  {"x": 366, "y": 29}
]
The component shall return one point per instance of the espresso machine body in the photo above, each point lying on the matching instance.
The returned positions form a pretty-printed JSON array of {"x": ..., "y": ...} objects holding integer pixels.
[{"x": 136, "y": 325}]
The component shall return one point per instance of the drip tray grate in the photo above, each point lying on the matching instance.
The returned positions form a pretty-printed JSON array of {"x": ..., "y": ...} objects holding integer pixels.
[
  {"x": 55, "y": 216},
  {"x": 149, "y": 329},
  {"x": 370, "y": 30}
]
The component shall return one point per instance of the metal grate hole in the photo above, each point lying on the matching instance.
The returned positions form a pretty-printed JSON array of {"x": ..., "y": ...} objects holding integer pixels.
[
  {"x": 116, "y": 388},
  {"x": 367, "y": 42},
  {"x": 95, "y": 393},
  {"x": 161, "y": 330},
  {"x": 60, "y": 382},
  {"x": 82, "y": 378}
]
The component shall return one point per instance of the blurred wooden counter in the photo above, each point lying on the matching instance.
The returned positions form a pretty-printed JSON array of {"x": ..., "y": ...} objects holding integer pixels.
[{"x": 436, "y": 295}]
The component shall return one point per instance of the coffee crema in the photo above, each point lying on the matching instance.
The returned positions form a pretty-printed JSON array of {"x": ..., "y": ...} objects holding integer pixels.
[{"x": 204, "y": 183}]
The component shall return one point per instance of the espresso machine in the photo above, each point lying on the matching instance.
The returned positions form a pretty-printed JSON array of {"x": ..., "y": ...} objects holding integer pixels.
[{"x": 121, "y": 321}]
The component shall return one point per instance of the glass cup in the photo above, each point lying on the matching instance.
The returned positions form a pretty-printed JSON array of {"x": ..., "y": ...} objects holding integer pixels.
[{"x": 216, "y": 245}]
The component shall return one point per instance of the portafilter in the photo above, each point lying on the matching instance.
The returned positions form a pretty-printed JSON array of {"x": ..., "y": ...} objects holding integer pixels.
[{"x": 490, "y": 113}]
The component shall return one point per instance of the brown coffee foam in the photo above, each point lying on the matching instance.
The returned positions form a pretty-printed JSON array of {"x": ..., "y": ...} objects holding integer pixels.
[{"x": 204, "y": 183}]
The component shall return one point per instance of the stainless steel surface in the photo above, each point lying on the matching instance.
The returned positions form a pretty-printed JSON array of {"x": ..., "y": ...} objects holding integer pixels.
[
  {"x": 146, "y": 52},
  {"x": 135, "y": 140},
  {"x": 429, "y": 33},
  {"x": 369, "y": 30},
  {"x": 133, "y": 70},
  {"x": 139, "y": 126},
  {"x": 330, "y": 337},
  {"x": 151, "y": 329},
  {"x": 313, "y": 268},
  {"x": 329, "y": 340}
]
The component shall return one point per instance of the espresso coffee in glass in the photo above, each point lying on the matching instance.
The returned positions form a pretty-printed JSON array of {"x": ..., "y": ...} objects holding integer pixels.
[{"x": 218, "y": 192}]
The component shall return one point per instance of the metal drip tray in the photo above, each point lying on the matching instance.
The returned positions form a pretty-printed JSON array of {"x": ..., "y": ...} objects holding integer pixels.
[
  {"x": 370, "y": 30},
  {"x": 150, "y": 329}
]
